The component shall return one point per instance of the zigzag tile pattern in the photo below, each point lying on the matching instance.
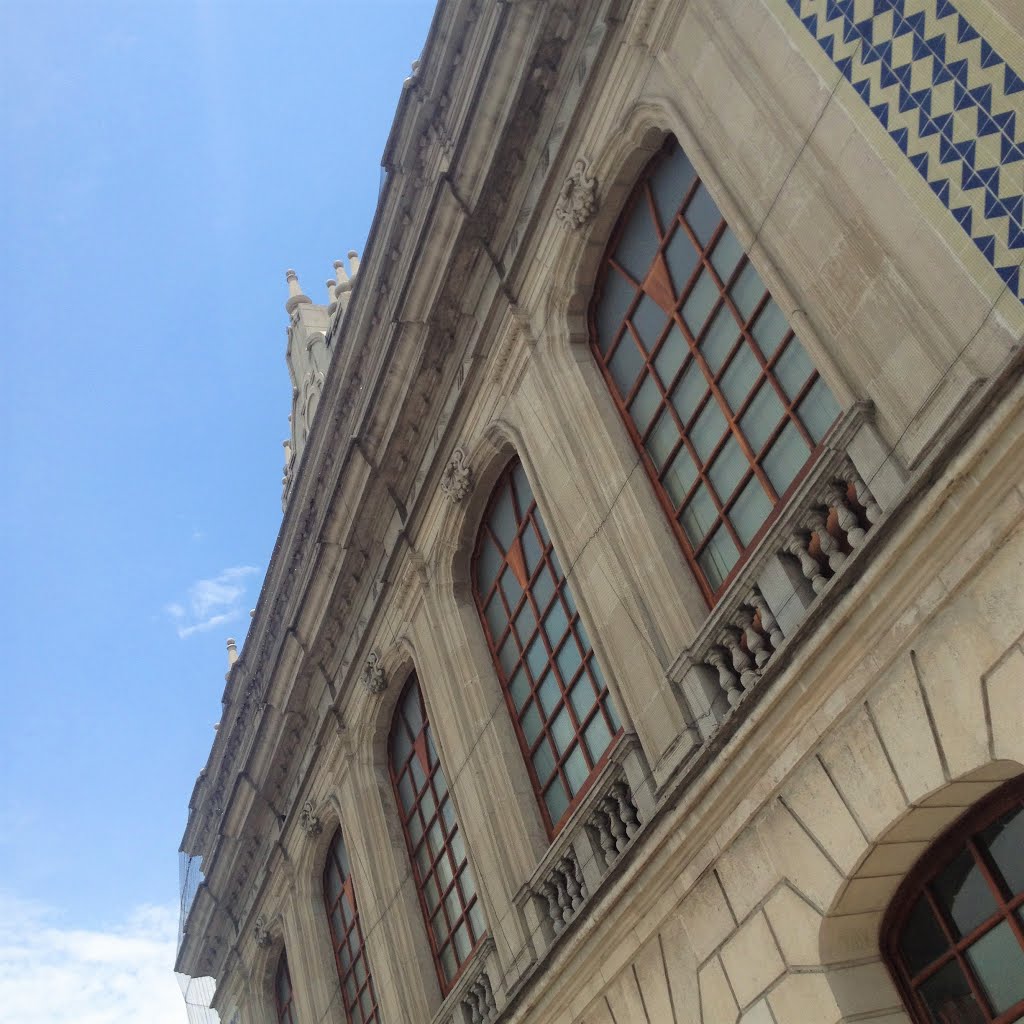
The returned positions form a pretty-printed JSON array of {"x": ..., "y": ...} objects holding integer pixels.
[{"x": 949, "y": 101}]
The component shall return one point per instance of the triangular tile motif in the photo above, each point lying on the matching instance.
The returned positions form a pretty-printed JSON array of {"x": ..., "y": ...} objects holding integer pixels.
[{"x": 945, "y": 65}]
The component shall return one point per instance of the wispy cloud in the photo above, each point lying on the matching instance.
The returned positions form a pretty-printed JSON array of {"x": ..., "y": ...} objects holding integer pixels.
[
  {"x": 212, "y": 602},
  {"x": 54, "y": 974}
]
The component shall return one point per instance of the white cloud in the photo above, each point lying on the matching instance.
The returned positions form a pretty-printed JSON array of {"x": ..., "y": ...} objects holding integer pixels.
[
  {"x": 51, "y": 973},
  {"x": 212, "y": 602}
]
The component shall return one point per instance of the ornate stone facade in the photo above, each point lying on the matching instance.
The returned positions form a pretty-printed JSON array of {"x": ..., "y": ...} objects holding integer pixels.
[{"x": 787, "y": 752}]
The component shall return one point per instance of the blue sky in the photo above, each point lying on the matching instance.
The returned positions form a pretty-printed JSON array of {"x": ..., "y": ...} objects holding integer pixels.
[{"x": 164, "y": 162}]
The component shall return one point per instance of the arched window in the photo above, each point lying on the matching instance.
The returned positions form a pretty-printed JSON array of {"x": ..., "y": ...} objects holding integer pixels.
[
  {"x": 283, "y": 993},
  {"x": 447, "y": 889},
  {"x": 954, "y": 935},
  {"x": 717, "y": 393},
  {"x": 559, "y": 701},
  {"x": 357, "y": 991}
]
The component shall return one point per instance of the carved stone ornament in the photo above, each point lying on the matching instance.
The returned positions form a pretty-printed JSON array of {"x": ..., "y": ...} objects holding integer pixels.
[
  {"x": 373, "y": 674},
  {"x": 457, "y": 478},
  {"x": 262, "y": 933},
  {"x": 577, "y": 200},
  {"x": 309, "y": 820}
]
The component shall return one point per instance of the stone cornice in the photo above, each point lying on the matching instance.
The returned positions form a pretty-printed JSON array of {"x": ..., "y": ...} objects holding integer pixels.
[{"x": 382, "y": 387}]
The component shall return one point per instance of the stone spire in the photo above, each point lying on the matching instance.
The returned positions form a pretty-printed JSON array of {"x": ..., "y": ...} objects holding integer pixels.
[{"x": 307, "y": 354}]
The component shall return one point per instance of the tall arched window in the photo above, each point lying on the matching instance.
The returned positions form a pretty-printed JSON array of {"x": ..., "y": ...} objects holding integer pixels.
[
  {"x": 954, "y": 935},
  {"x": 718, "y": 394},
  {"x": 447, "y": 889},
  {"x": 283, "y": 993},
  {"x": 357, "y": 991},
  {"x": 559, "y": 701}
]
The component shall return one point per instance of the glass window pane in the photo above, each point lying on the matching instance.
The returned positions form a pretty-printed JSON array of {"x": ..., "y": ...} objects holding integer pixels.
[
  {"x": 522, "y": 488},
  {"x": 543, "y": 761},
  {"x": 405, "y": 792},
  {"x": 700, "y": 515},
  {"x": 625, "y": 364},
  {"x": 645, "y": 404},
  {"x": 536, "y": 657},
  {"x": 692, "y": 387},
  {"x": 412, "y": 712},
  {"x": 568, "y": 660},
  {"x": 662, "y": 439},
  {"x": 650, "y": 320},
  {"x": 681, "y": 256},
  {"x": 738, "y": 381},
  {"x": 639, "y": 241},
  {"x": 562, "y": 732},
  {"x": 786, "y": 458},
  {"x": 503, "y": 520},
  {"x": 793, "y": 369},
  {"x": 721, "y": 336},
  {"x": 702, "y": 215},
  {"x": 576, "y": 770},
  {"x": 718, "y": 558},
  {"x": 680, "y": 477},
  {"x": 617, "y": 295},
  {"x": 548, "y": 694},
  {"x": 962, "y": 892},
  {"x": 700, "y": 302},
  {"x": 453, "y": 904},
  {"x": 556, "y": 800},
  {"x": 415, "y": 828},
  {"x": 598, "y": 737},
  {"x": 496, "y": 617},
  {"x": 708, "y": 429},
  {"x": 531, "y": 723},
  {"x": 771, "y": 327},
  {"x": 609, "y": 707},
  {"x": 818, "y": 410},
  {"x": 670, "y": 356},
  {"x": 526, "y": 623},
  {"x": 750, "y": 510},
  {"x": 948, "y": 997},
  {"x": 762, "y": 417},
  {"x": 747, "y": 291},
  {"x": 728, "y": 469},
  {"x": 543, "y": 587},
  {"x": 458, "y": 851},
  {"x": 519, "y": 688},
  {"x": 462, "y": 942},
  {"x": 448, "y": 964},
  {"x": 555, "y": 624},
  {"x": 1004, "y": 840},
  {"x": 444, "y": 869},
  {"x": 998, "y": 962},
  {"x": 488, "y": 565},
  {"x": 508, "y": 655},
  {"x": 670, "y": 183},
  {"x": 583, "y": 697},
  {"x": 728, "y": 252},
  {"x": 476, "y": 919},
  {"x": 531, "y": 548},
  {"x": 510, "y": 587}
]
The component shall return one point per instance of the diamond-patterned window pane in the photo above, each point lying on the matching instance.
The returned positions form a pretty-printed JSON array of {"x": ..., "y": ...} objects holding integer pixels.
[{"x": 554, "y": 688}]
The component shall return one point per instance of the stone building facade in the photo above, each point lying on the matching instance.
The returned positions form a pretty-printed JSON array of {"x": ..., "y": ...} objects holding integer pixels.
[{"x": 642, "y": 642}]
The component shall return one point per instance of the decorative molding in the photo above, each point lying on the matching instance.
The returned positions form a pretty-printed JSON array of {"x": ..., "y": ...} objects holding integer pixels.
[
  {"x": 577, "y": 200},
  {"x": 457, "y": 479},
  {"x": 373, "y": 675},
  {"x": 309, "y": 820},
  {"x": 262, "y": 933}
]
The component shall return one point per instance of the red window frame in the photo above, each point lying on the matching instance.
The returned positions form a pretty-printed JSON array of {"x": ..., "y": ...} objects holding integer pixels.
[
  {"x": 923, "y": 900},
  {"x": 358, "y": 993},
  {"x": 556, "y": 694},
  {"x": 283, "y": 994},
  {"x": 445, "y": 882},
  {"x": 760, "y": 332}
]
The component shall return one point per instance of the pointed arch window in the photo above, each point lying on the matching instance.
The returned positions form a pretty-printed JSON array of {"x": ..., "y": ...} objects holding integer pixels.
[
  {"x": 564, "y": 716},
  {"x": 954, "y": 935},
  {"x": 447, "y": 889},
  {"x": 357, "y": 990},
  {"x": 717, "y": 392},
  {"x": 283, "y": 1000}
]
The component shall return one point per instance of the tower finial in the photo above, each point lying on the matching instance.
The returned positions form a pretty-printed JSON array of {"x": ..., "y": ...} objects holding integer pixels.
[
  {"x": 353, "y": 262},
  {"x": 232, "y": 652},
  {"x": 295, "y": 296}
]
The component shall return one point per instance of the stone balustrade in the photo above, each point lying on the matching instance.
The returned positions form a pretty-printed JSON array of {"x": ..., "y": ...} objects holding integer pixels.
[
  {"x": 815, "y": 540},
  {"x": 475, "y": 998}
]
